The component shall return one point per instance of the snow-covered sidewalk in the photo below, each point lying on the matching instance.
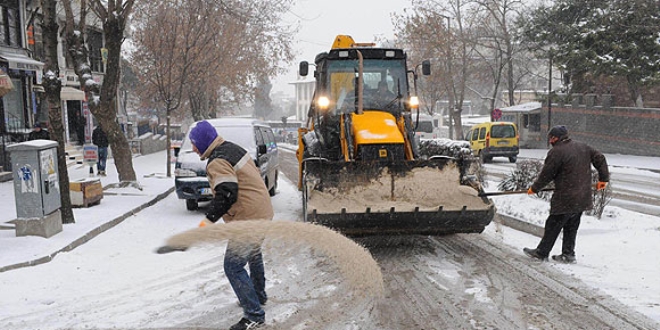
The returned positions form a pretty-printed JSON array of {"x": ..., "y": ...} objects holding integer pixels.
[{"x": 116, "y": 205}]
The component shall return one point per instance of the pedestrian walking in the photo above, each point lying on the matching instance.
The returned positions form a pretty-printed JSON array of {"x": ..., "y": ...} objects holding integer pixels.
[
  {"x": 239, "y": 194},
  {"x": 100, "y": 139},
  {"x": 568, "y": 164},
  {"x": 39, "y": 132}
]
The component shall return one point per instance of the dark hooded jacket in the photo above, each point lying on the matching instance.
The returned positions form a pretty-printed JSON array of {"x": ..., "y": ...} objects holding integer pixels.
[
  {"x": 99, "y": 138},
  {"x": 568, "y": 164}
]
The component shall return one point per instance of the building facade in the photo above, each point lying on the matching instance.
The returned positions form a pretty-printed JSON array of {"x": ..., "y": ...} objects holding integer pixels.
[
  {"x": 304, "y": 94},
  {"x": 22, "y": 55}
]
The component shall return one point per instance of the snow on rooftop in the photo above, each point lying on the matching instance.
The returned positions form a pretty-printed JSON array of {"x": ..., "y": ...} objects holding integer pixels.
[{"x": 524, "y": 107}]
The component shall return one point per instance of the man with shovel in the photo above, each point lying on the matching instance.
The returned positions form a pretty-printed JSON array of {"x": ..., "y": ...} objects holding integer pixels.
[{"x": 568, "y": 164}]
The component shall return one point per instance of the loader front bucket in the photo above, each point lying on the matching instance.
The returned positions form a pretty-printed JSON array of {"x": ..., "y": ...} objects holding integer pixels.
[{"x": 408, "y": 197}]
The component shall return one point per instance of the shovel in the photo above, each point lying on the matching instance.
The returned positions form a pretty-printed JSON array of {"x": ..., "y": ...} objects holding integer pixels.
[{"x": 511, "y": 192}]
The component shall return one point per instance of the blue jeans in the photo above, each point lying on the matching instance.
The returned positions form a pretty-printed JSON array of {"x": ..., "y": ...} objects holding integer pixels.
[
  {"x": 250, "y": 289},
  {"x": 103, "y": 157}
]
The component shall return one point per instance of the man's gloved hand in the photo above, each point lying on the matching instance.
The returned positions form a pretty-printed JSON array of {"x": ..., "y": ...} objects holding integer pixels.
[
  {"x": 205, "y": 222},
  {"x": 168, "y": 249},
  {"x": 530, "y": 191},
  {"x": 601, "y": 185}
]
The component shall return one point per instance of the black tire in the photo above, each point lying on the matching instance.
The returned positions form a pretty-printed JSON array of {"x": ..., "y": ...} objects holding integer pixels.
[
  {"x": 191, "y": 204},
  {"x": 513, "y": 159},
  {"x": 273, "y": 190}
]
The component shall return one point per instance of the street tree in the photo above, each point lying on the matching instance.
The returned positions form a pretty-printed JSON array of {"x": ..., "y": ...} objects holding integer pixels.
[
  {"x": 53, "y": 86},
  {"x": 204, "y": 53},
  {"x": 442, "y": 29},
  {"x": 496, "y": 47},
  {"x": 600, "y": 38},
  {"x": 101, "y": 98}
]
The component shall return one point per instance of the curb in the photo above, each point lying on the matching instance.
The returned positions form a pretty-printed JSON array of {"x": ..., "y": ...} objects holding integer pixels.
[
  {"x": 93, "y": 233},
  {"x": 519, "y": 225},
  {"x": 6, "y": 176}
]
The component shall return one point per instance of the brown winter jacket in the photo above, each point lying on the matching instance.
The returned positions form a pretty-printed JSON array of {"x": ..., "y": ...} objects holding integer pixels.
[
  {"x": 568, "y": 164},
  {"x": 231, "y": 163}
]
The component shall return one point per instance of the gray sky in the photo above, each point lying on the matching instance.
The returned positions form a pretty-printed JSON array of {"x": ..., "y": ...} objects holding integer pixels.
[{"x": 321, "y": 21}]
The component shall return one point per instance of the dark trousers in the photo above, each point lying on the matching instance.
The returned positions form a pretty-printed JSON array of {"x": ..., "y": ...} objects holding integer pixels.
[
  {"x": 103, "y": 158},
  {"x": 555, "y": 223}
]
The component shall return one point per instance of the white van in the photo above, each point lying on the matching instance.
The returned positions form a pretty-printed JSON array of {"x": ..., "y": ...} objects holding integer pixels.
[
  {"x": 253, "y": 135},
  {"x": 426, "y": 127}
]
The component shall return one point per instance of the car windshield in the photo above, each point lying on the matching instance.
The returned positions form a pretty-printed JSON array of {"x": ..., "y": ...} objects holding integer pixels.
[
  {"x": 425, "y": 126},
  {"x": 502, "y": 132},
  {"x": 241, "y": 135}
]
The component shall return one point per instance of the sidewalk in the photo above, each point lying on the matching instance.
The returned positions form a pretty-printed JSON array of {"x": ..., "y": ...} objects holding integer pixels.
[{"x": 117, "y": 205}]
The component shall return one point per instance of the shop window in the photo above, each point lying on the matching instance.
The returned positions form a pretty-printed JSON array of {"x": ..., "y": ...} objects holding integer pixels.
[
  {"x": 14, "y": 111},
  {"x": 36, "y": 40},
  {"x": 535, "y": 122},
  {"x": 95, "y": 44},
  {"x": 10, "y": 27}
]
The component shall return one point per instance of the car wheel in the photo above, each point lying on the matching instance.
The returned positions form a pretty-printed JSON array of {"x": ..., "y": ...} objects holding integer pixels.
[
  {"x": 273, "y": 190},
  {"x": 191, "y": 204},
  {"x": 513, "y": 159}
]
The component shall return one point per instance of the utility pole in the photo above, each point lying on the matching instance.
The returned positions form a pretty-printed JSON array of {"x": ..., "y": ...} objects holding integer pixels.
[
  {"x": 549, "y": 97},
  {"x": 450, "y": 87}
]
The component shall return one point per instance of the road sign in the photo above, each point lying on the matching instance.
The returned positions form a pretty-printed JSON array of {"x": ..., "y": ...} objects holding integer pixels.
[
  {"x": 90, "y": 154},
  {"x": 497, "y": 114}
]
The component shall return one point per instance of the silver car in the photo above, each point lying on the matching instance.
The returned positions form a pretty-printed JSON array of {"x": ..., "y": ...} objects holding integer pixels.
[{"x": 253, "y": 135}]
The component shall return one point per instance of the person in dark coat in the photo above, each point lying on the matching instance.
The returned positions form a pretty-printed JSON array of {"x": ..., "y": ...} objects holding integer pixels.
[
  {"x": 100, "y": 139},
  {"x": 38, "y": 133},
  {"x": 568, "y": 164}
]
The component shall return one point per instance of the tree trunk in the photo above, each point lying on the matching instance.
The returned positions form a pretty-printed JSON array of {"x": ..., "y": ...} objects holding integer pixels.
[
  {"x": 106, "y": 112},
  {"x": 168, "y": 140},
  {"x": 102, "y": 101},
  {"x": 53, "y": 86},
  {"x": 635, "y": 94}
]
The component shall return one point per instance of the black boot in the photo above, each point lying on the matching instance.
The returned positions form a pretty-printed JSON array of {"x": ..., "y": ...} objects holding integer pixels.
[
  {"x": 534, "y": 253},
  {"x": 564, "y": 258}
]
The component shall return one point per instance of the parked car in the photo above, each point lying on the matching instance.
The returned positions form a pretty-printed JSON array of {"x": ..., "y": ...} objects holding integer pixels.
[
  {"x": 253, "y": 135},
  {"x": 494, "y": 139}
]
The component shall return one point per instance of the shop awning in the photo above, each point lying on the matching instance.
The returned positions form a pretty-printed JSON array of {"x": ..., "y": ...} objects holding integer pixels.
[
  {"x": 21, "y": 62},
  {"x": 72, "y": 94}
]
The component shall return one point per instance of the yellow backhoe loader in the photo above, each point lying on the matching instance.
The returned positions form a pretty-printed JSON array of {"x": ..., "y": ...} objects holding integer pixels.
[{"x": 360, "y": 168}]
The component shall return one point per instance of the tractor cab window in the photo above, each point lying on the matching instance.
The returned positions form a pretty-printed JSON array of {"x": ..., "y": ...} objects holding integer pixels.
[{"x": 383, "y": 79}]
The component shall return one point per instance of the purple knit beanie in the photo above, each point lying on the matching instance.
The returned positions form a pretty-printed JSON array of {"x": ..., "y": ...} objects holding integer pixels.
[{"x": 202, "y": 135}]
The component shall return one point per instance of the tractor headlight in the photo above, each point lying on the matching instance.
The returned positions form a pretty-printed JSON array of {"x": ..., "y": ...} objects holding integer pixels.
[
  {"x": 414, "y": 102},
  {"x": 323, "y": 103}
]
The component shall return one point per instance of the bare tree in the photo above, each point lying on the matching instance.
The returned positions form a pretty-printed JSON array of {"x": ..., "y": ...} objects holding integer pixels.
[
  {"x": 172, "y": 37},
  {"x": 443, "y": 28},
  {"x": 53, "y": 86},
  {"x": 202, "y": 53},
  {"x": 102, "y": 98}
]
